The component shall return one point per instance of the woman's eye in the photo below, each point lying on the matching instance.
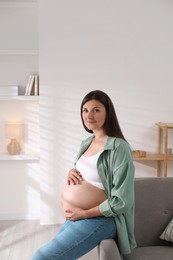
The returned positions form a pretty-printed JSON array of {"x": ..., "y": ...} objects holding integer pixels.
[{"x": 95, "y": 110}]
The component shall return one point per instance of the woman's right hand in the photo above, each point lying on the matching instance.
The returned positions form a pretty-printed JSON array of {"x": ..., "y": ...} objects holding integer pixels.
[{"x": 74, "y": 177}]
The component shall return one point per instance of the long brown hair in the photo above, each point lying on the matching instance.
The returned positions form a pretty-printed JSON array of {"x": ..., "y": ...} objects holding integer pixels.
[{"x": 111, "y": 125}]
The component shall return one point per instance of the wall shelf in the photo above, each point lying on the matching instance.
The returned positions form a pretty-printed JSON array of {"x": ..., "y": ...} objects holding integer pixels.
[
  {"x": 19, "y": 98},
  {"x": 152, "y": 157},
  {"x": 20, "y": 157},
  {"x": 19, "y": 52}
]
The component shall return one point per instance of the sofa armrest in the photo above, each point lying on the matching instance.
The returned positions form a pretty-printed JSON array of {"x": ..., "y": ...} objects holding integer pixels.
[{"x": 108, "y": 250}]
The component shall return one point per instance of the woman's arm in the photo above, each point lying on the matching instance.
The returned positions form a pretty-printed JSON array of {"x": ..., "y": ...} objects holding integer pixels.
[
  {"x": 121, "y": 196},
  {"x": 74, "y": 214}
]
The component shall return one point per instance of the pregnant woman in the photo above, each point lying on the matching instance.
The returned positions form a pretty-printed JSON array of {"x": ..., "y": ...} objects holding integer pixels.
[{"x": 98, "y": 198}]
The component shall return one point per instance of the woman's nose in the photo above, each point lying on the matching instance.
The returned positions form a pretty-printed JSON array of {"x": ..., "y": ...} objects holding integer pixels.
[{"x": 90, "y": 114}]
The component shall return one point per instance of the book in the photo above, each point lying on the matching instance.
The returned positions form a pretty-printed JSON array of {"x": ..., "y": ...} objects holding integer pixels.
[
  {"x": 36, "y": 86},
  {"x": 9, "y": 90},
  {"x": 29, "y": 85}
]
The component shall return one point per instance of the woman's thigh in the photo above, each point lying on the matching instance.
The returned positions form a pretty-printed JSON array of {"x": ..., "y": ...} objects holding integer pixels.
[{"x": 76, "y": 238}]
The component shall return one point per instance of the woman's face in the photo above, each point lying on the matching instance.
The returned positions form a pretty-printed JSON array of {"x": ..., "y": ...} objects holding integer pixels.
[{"x": 94, "y": 115}]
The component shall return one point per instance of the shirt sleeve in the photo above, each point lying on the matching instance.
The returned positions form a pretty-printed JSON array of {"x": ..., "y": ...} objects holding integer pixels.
[{"x": 120, "y": 188}]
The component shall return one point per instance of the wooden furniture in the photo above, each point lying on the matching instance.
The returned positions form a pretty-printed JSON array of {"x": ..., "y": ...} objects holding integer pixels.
[
  {"x": 163, "y": 130},
  {"x": 160, "y": 157}
]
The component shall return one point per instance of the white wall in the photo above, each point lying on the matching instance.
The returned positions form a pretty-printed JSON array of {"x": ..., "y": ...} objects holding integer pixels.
[{"x": 121, "y": 47}]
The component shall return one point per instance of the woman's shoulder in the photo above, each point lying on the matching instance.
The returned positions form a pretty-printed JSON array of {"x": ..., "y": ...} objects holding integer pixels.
[
  {"x": 87, "y": 140},
  {"x": 115, "y": 142},
  {"x": 119, "y": 148}
]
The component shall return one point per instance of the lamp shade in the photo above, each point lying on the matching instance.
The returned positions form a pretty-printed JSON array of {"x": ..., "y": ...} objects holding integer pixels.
[{"x": 14, "y": 131}]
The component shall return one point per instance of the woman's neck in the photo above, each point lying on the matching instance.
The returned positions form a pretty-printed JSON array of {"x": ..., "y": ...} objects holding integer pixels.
[
  {"x": 100, "y": 136},
  {"x": 97, "y": 144}
]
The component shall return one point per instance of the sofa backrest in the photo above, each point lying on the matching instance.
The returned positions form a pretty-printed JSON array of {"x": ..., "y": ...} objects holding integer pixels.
[{"x": 153, "y": 209}]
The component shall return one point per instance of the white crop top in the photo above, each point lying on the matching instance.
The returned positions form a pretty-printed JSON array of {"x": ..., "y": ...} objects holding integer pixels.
[{"x": 87, "y": 166}]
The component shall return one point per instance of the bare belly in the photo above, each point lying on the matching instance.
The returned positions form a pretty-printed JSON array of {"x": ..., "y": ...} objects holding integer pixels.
[{"x": 83, "y": 195}]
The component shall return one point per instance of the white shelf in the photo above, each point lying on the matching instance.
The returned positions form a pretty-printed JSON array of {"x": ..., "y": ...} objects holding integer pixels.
[
  {"x": 19, "y": 98},
  {"x": 20, "y": 157},
  {"x": 19, "y": 52}
]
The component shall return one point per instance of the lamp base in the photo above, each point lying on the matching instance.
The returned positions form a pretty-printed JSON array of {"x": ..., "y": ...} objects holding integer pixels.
[{"x": 14, "y": 147}]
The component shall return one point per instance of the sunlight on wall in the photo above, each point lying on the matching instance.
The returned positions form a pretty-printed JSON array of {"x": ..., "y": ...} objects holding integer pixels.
[
  {"x": 32, "y": 138},
  {"x": 32, "y": 190},
  {"x": 50, "y": 185}
]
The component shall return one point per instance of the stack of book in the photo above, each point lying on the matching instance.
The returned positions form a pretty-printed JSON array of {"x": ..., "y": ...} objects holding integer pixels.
[
  {"x": 9, "y": 91},
  {"x": 32, "y": 87}
]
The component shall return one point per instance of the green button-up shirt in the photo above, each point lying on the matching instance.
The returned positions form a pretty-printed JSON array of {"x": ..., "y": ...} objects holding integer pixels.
[{"x": 116, "y": 170}]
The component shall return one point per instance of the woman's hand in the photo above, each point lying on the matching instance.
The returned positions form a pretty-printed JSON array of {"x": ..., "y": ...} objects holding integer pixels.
[
  {"x": 74, "y": 177},
  {"x": 74, "y": 214}
]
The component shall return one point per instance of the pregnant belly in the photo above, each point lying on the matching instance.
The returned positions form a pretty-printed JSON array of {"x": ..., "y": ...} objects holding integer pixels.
[{"x": 83, "y": 195}]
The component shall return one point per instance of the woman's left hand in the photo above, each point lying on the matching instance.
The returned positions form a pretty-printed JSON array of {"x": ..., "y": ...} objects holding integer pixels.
[{"x": 75, "y": 214}]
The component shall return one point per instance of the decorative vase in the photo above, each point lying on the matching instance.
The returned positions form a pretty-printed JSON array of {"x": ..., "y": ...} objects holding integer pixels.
[{"x": 13, "y": 147}]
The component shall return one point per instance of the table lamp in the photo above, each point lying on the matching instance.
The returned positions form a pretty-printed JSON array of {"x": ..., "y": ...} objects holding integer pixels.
[{"x": 14, "y": 131}]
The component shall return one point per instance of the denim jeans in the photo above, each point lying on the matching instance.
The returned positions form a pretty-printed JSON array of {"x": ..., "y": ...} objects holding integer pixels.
[{"x": 76, "y": 238}]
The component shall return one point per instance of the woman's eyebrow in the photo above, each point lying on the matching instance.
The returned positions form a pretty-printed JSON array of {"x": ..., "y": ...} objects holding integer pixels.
[{"x": 92, "y": 107}]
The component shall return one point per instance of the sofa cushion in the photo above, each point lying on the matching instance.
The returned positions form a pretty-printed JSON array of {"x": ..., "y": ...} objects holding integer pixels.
[
  {"x": 168, "y": 232},
  {"x": 151, "y": 253},
  {"x": 153, "y": 209}
]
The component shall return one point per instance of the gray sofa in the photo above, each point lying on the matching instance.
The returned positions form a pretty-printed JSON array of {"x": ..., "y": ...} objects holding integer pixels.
[{"x": 153, "y": 212}]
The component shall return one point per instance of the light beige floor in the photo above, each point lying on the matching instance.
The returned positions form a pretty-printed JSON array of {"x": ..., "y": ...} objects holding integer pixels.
[{"x": 20, "y": 238}]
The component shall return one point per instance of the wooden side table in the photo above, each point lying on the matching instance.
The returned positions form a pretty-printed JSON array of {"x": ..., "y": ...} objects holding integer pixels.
[{"x": 163, "y": 133}]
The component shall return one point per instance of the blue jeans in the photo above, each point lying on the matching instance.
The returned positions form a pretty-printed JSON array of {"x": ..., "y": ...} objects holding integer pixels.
[{"x": 76, "y": 238}]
